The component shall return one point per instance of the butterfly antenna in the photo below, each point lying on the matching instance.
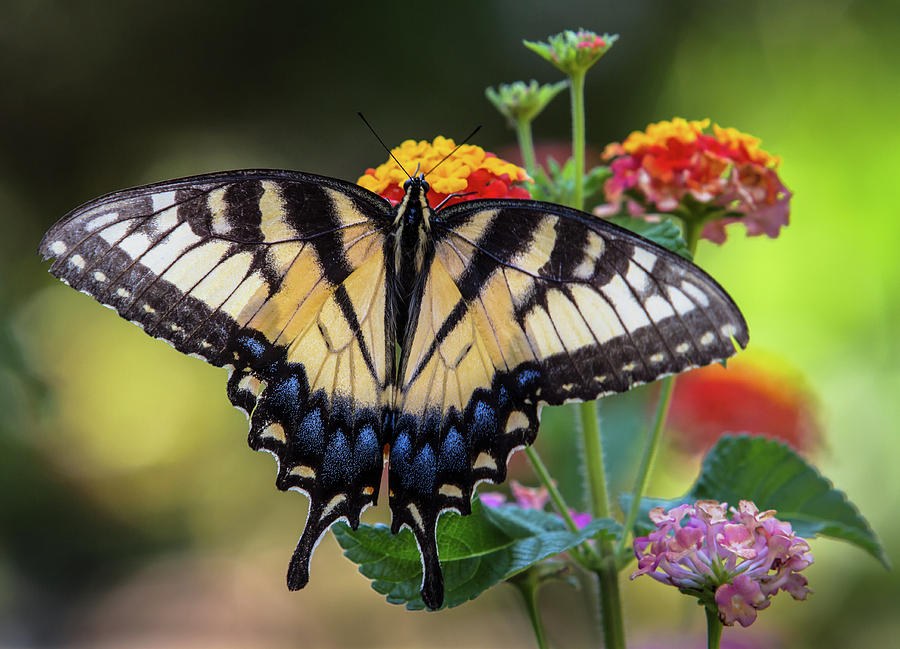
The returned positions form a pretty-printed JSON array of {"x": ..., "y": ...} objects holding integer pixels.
[
  {"x": 386, "y": 148},
  {"x": 469, "y": 137}
]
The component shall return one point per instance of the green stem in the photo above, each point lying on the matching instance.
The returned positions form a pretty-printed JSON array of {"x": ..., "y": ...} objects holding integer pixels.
[
  {"x": 607, "y": 573},
  {"x": 713, "y": 630},
  {"x": 578, "y": 137},
  {"x": 544, "y": 476},
  {"x": 593, "y": 451},
  {"x": 692, "y": 231},
  {"x": 528, "y": 588},
  {"x": 526, "y": 146},
  {"x": 611, "y": 603},
  {"x": 648, "y": 461}
]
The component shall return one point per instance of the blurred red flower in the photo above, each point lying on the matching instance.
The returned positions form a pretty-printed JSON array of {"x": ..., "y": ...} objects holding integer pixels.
[{"x": 712, "y": 401}]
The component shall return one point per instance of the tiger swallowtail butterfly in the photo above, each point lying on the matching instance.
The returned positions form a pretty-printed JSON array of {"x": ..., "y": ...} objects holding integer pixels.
[{"x": 350, "y": 326}]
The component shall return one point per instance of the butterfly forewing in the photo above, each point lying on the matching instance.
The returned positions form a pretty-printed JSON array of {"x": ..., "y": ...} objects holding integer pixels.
[{"x": 279, "y": 277}]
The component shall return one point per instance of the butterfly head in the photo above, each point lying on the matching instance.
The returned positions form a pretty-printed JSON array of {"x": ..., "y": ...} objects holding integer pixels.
[{"x": 414, "y": 209}]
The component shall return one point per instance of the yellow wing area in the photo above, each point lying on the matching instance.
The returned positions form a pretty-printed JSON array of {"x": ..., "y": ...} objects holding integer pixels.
[{"x": 460, "y": 360}]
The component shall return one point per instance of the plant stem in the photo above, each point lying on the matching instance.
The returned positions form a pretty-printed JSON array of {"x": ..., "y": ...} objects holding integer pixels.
[
  {"x": 526, "y": 146},
  {"x": 611, "y": 602},
  {"x": 648, "y": 460},
  {"x": 578, "y": 137},
  {"x": 528, "y": 588},
  {"x": 607, "y": 573},
  {"x": 593, "y": 451},
  {"x": 544, "y": 476},
  {"x": 713, "y": 630}
]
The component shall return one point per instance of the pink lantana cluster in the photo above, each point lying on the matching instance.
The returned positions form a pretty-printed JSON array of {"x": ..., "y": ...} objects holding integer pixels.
[
  {"x": 734, "y": 564},
  {"x": 530, "y": 498}
]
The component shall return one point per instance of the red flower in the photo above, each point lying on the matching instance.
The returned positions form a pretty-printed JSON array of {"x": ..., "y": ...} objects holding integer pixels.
[{"x": 711, "y": 401}]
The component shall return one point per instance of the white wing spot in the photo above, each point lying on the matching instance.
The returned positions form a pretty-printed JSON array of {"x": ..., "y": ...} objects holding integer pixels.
[
  {"x": 148, "y": 308},
  {"x": 645, "y": 258},
  {"x": 174, "y": 327},
  {"x": 303, "y": 471},
  {"x": 568, "y": 386},
  {"x": 451, "y": 491},
  {"x": 99, "y": 221},
  {"x": 627, "y": 367},
  {"x": 484, "y": 461},
  {"x": 657, "y": 358},
  {"x": 135, "y": 244},
  {"x": 658, "y": 308},
  {"x": 162, "y": 200},
  {"x": 113, "y": 233},
  {"x": 680, "y": 301},
  {"x": 517, "y": 419},
  {"x": 600, "y": 379},
  {"x": 100, "y": 276},
  {"x": 334, "y": 502},
  {"x": 707, "y": 338},
  {"x": 77, "y": 261},
  {"x": 729, "y": 330},
  {"x": 123, "y": 292},
  {"x": 682, "y": 348},
  {"x": 274, "y": 431},
  {"x": 695, "y": 293},
  {"x": 58, "y": 247}
]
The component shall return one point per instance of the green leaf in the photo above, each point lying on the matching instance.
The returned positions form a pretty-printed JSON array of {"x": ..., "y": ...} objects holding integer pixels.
[
  {"x": 774, "y": 477},
  {"x": 477, "y": 551},
  {"x": 556, "y": 184},
  {"x": 663, "y": 232}
]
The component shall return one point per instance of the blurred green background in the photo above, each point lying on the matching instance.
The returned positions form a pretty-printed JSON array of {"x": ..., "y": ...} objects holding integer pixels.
[{"x": 132, "y": 512}]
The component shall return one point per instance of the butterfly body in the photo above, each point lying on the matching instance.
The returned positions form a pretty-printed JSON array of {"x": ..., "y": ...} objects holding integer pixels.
[{"x": 351, "y": 327}]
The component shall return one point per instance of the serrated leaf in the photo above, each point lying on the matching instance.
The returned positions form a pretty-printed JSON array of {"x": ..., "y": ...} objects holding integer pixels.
[
  {"x": 774, "y": 477},
  {"x": 663, "y": 232},
  {"x": 477, "y": 551}
]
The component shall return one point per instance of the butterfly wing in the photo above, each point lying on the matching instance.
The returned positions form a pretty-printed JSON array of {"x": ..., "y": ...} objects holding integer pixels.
[
  {"x": 278, "y": 276},
  {"x": 525, "y": 304}
]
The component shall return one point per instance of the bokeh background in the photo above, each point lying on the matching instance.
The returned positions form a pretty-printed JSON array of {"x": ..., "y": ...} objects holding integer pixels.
[{"x": 132, "y": 512}]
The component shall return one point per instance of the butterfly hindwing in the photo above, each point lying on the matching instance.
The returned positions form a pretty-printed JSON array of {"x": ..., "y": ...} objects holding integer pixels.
[{"x": 278, "y": 276}]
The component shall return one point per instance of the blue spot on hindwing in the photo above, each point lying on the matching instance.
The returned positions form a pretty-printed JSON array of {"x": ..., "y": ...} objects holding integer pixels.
[
  {"x": 337, "y": 465},
  {"x": 527, "y": 379},
  {"x": 423, "y": 470},
  {"x": 453, "y": 452},
  {"x": 366, "y": 452},
  {"x": 310, "y": 437},
  {"x": 399, "y": 459},
  {"x": 483, "y": 424},
  {"x": 283, "y": 394}
]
